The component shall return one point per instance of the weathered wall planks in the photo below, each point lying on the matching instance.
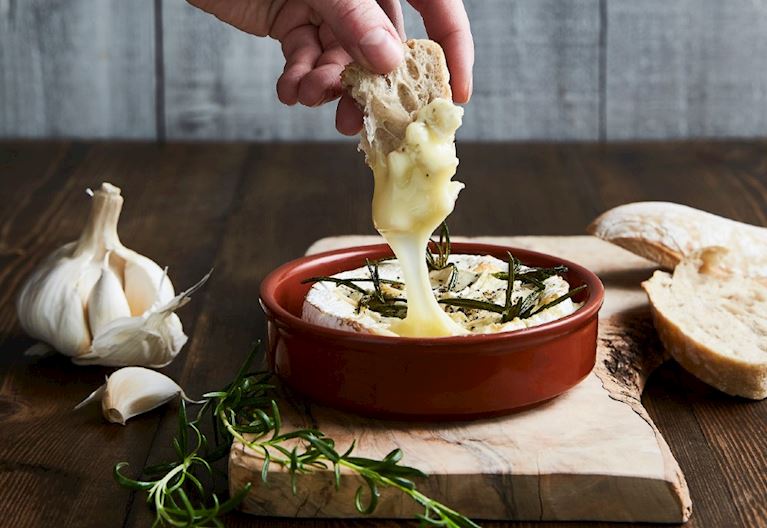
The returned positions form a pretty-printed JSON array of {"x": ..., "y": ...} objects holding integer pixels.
[
  {"x": 545, "y": 69},
  {"x": 536, "y": 71},
  {"x": 77, "y": 68},
  {"x": 220, "y": 83},
  {"x": 686, "y": 68}
]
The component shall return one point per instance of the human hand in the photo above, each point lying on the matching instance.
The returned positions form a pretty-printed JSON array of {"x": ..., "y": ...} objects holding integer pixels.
[{"x": 319, "y": 37}]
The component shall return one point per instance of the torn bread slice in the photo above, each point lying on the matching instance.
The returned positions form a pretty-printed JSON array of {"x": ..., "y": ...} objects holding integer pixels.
[
  {"x": 712, "y": 318},
  {"x": 390, "y": 102},
  {"x": 666, "y": 232}
]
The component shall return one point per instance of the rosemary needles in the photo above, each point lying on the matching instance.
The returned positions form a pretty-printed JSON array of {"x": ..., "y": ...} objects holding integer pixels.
[
  {"x": 247, "y": 411},
  {"x": 519, "y": 303}
]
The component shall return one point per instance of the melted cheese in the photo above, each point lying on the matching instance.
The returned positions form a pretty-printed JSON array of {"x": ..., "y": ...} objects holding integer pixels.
[
  {"x": 337, "y": 306},
  {"x": 413, "y": 195}
]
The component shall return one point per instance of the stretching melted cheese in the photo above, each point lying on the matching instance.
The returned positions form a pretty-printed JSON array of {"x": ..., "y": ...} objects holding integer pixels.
[{"x": 413, "y": 196}]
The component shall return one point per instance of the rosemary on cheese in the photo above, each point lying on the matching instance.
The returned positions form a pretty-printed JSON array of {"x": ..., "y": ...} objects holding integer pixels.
[{"x": 437, "y": 259}]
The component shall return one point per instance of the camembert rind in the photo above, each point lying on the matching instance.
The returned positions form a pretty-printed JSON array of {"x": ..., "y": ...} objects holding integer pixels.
[{"x": 336, "y": 306}]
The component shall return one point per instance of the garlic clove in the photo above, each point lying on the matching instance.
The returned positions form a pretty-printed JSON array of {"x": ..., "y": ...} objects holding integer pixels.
[
  {"x": 131, "y": 391},
  {"x": 145, "y": 282},
  {"x": 153, "y": 339},
  {"x": 50, "y": 304},
  {"x": 107, "y": 301}
]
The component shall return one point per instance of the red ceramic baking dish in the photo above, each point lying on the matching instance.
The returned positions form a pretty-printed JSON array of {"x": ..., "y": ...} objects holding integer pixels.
[{"x": 449, "y": 378}]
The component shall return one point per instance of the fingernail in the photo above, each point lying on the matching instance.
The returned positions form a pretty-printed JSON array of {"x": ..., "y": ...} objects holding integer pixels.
[
  {"x": 470, "y": 89},
  {"x": 382, "y": 51}
]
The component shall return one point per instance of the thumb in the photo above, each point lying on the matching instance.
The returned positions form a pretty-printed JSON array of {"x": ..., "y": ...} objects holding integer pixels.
[{"x": 364, "y": 31}]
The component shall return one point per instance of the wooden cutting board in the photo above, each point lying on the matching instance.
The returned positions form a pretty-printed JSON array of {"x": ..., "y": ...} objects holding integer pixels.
[{"x": 590, "y": 454}]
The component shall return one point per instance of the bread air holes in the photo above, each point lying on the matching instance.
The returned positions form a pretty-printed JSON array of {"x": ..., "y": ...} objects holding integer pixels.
[
  {"x": 407, "y": 97},
  {"x": 412, "y": 69}
]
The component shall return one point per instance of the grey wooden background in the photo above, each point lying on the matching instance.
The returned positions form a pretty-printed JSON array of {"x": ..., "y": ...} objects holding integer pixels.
[{"x": 545, "y": 69}]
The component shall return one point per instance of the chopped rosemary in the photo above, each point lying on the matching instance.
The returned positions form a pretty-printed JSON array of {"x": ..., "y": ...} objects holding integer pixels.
[
  {"x": 473, "y": 304},
  {"x": 246, "y": 410},
  {"x": 561, "y": 298},
  {"x": 437, "y": 259},
  {"x": 350, "y": 282},
  {"x": 440, "y": 260}
]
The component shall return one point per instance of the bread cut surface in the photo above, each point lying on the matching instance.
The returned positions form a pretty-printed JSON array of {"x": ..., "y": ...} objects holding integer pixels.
[
  {"x": 390, "y": 102},
  {"x": 711, "y": 315},
  {"x": 667, "y": 232}
]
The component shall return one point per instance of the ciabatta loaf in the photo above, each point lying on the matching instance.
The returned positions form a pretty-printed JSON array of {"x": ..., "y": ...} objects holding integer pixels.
[
  {"x": 390, "y": 102},
  {"x": 711, "y": 316},
  {"x": 667, "y": 232}
]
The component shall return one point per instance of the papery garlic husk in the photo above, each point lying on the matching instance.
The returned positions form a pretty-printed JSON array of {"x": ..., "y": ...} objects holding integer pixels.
[
  {"x": 91, "y": 297},
  {"x": 152, "y": 339},
  {"x": 131, "y": 391}
]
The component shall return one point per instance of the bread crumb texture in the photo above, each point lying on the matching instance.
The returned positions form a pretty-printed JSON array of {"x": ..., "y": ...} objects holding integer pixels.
[
  {"x": 390, "y": 102},
  {"x": 711, "y": 315}
]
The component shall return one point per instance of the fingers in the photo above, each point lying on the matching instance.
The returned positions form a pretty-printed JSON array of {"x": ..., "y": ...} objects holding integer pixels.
[
  {"x": 348, "y": 116},
  {"x": 393, "y": 10},
  {"x": 320, "y": 85},
  {"x": 301, "y": 48},
  {"x": 323, "y": 83},
  {"x": 251, "y": 17},
  {"x": 447, "y": 23},
  {"x": 364, "y": 31}
]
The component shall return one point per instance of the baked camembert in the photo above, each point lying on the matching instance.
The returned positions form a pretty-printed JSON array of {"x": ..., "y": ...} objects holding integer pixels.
[{"x": 348, "y": 301}]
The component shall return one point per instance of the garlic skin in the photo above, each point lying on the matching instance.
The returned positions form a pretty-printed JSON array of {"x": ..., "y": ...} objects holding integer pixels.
[
  {"x": 137, "y": 340},
  {"x": 100, "y": 302},
  {"x": 131, "y": 391}
]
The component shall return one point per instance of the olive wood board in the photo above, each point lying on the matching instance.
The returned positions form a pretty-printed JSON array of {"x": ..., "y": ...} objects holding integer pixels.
[{"x": 592, "y": 453}]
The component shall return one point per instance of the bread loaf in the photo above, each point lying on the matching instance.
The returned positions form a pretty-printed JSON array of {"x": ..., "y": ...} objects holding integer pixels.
[
  {"x": 667, "y": 232},
  {"x": 711, "y": 316},
  {"x": 390, "y": 102}
]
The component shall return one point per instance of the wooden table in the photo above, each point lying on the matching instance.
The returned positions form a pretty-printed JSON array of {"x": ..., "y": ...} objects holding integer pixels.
[{"x": 247, "y": 208}]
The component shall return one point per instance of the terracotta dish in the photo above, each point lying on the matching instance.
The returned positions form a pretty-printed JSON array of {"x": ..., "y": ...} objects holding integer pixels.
[{"x": 449, "y": 378}]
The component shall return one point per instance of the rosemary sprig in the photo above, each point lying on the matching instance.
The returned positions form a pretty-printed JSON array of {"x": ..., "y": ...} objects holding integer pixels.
[
  {"x": 571, "y": 293},
  {"x": 440, "y": 260},
  {"x": 247, "y": 411},
  {"x": 351, "y": 281},
  {"x": 534, "y": 276}
]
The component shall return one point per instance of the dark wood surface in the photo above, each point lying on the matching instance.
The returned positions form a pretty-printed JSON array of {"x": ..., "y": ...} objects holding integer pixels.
[{"x": 247, "y": 208}]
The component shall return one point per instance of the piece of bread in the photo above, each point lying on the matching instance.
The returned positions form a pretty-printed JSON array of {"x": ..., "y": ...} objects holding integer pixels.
[
  {"x": 667, "y": 232},
  {"x": 390, "y": 102},
  {"x": 712, "y": 318}
]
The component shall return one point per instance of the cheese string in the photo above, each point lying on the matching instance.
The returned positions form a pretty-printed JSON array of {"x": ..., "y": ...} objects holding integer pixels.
[{"x": 413, "y": 195}]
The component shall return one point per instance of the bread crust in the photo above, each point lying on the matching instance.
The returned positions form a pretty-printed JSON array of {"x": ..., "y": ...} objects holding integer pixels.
[
  {"x": 718, "y": 366},
  {"x": 390, "y": 102},
  {"x": 667, "y": 232}
]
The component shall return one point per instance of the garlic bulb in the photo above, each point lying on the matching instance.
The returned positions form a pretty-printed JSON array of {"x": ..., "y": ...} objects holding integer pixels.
[
  {"x": 131, "y": 391},
  {"x": 101, "y": 303}
]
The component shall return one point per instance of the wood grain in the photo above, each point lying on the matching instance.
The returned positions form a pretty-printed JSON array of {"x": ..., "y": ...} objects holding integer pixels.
[
  {"x": 77, "y": 68},
  {"x": 250, "y": 207},
  {"x": 679, "y": 69}
]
